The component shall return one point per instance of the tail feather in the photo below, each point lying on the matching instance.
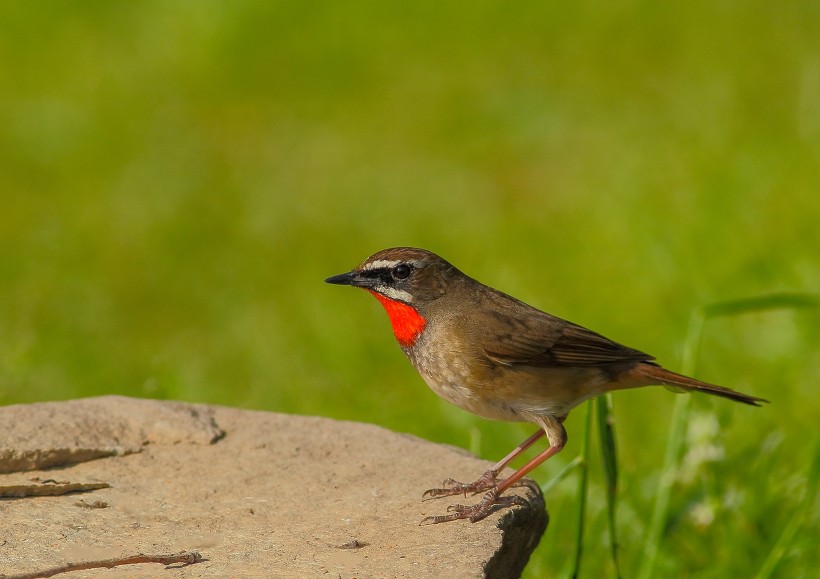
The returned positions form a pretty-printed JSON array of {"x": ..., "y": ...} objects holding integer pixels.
[{"x": 656, "y": 375}]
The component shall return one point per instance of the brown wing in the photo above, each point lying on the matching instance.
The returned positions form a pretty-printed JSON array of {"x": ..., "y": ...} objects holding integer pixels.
[
  {"x": 530, "y": 337},
  {"x": 582, "y": 347}
]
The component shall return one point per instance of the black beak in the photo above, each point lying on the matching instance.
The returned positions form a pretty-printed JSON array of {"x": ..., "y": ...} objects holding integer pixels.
[{"x": 349, "y": 278}]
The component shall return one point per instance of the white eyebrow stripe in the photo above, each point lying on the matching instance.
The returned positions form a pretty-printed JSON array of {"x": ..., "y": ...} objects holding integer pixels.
[
  {"x": 394, "y": 294},
  {"x": 382, "y": 263}
]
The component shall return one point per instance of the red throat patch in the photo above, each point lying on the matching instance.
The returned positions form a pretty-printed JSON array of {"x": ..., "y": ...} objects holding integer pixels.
[{"x": 407, "y": 322}]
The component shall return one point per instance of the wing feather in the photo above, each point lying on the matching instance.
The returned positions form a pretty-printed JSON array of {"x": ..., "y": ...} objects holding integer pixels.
[{"x": 540, "y": 339}]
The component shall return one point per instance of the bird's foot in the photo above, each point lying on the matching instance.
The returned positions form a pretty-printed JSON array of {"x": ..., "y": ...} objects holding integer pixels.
[
  {"x": 451, "y": 487},
  {"x": 476, "y": 512},
  {"x": 487, "y": 481}
]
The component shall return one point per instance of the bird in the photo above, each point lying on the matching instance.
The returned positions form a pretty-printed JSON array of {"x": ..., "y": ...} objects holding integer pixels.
[{"x": 502, "y": 359}]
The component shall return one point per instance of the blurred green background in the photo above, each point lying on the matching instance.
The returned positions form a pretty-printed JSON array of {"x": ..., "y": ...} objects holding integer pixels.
[{"x": 178, "y": 178}]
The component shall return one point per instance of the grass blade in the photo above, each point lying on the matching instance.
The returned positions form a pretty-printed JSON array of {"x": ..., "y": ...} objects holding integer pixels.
[
  {"x": 674, "y": 445},
  {"x": 550, "y": 484},
  {"x": 582, "y": 493},
  {"x": 606, "y": 431},
  {"x": 761, "y": 303}
]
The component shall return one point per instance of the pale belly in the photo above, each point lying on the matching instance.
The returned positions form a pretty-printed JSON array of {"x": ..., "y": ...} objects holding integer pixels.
[
  {"x": 514, "y": 394},
  {"x": 467, "y": 398}
]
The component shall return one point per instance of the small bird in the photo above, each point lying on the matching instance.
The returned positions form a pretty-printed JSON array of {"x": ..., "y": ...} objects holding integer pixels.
[{"x": 499, "y": 358}]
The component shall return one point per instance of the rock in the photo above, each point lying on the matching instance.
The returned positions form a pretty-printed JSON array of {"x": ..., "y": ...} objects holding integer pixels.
[
  {"x": 256, "y": 493},
  {"x": 38, "y": 436}
]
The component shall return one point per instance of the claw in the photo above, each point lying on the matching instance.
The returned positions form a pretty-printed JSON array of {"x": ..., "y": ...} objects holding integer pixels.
[
  {"x": 488, "y": 504},
  {"x": 451, "y": 487}
]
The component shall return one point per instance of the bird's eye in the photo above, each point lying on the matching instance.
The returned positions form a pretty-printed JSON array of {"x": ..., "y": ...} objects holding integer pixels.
[{"x": 401, "y": 271}]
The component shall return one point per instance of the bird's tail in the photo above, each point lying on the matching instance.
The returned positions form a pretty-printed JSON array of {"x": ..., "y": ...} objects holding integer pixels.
[{"x": 657, "y": 375}]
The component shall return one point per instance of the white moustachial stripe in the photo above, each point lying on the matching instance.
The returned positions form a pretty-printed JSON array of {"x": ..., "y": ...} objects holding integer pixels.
[{"x": 394, "y": 294}]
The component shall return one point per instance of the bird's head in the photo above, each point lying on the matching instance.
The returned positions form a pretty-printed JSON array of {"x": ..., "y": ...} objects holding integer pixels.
[{"x": 406, "y": 281}]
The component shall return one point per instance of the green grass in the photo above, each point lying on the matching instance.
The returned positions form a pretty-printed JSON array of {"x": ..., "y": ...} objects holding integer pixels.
[{"x": 177, "y": 179}]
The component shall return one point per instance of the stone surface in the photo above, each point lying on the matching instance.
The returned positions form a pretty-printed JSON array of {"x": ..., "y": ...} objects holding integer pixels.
[
  {"x": 38, "y": 436},
  {"x": 256, "y": 493}
]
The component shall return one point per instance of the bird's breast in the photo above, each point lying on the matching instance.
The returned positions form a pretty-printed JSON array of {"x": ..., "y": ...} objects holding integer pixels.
[{"x": 455, "y": 374}]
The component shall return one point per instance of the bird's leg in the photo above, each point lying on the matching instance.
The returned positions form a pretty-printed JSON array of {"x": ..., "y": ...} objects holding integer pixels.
[
  {"x": 486, "y": 481},
  {"x": 557, "y": 437}
]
